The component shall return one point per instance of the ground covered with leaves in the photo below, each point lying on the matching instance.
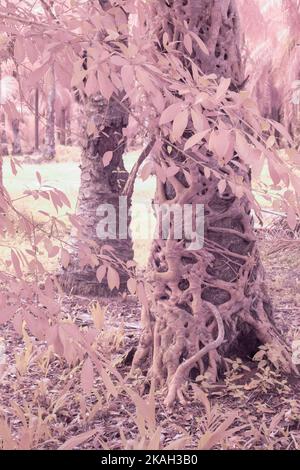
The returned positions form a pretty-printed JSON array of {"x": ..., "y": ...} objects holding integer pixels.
[{"x": 46, "y": 404}]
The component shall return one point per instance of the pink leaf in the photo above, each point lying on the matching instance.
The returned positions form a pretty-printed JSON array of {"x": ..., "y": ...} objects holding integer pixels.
[
  {"x": 169, "y": 113},
  {"x": 131, "y": 284},
  {"x": 222, "y": 88},
  {"x": 199, "y": 42},
  {"x": 113, "y": 278},
  {"x": 187, "y": 41},
  {"x": 87, "y": 376},
  {"x": 101, "y": 272},
  {"x": 107, "y": 157},
  {"x": 291, "y": 217},
  {"x": 195, "y": 139},
  {"x": 179, "y": 124}
]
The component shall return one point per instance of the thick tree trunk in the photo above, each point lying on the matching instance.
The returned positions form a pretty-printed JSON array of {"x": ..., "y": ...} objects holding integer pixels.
[
  {"x": 49, "y": 148},
  {"x": 16, "y": 144},
  {"x": 210, "y": 303},
  {"x": 99, "y": 184}
]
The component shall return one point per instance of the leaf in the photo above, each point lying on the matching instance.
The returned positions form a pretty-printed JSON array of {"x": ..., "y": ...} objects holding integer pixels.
[
  {"x": 169, "y": 113},
  {"x": 146, "y": 171},
  {"x": 16, "y": 263},
  {"x": 282, "y": 130},
  {"x": 65, "y": 258},
  {"x": 128, "y": 78},
  {"x": 200, "y": 122},
  {"x": 221, "y": 142},
  {"x": 291, "y": 217},
  {"x": 195, "y": 139},
  {"x": 172, "y": 170},
  {"x": 77, "y": 440},
  {"x": 19, "y": 51},
  {"x": 222, "y": 88},
  {"x": 105, "y": 85},
  {"x": 222, "y": 186},
  {"x": 108, "y": 383},
  {"x": 87, "y": 376},
  {"x": 91, "y": 86},
  {"x": 179, "y": 124},
  {"x": 101, "y": 272},
  {"x": 113, "y": 278},
  {"x": 107, "y": 157},
  {"x": 132, "y": 284},
  {"x": 98, "y": 314},
  {"x": 188, "y": 44},
  {"x": 270, "y": 141},
  {"x": 160, "y": 172},
  {"x": 276, "y": 178},
  {"x": 199, "y": 42}
]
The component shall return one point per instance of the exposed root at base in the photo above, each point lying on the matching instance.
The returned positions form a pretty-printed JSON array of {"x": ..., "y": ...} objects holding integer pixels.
[{"x": 183, "y": 370}]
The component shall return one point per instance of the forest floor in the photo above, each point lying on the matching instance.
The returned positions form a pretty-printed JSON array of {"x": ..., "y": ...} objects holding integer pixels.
[{"x": 252, "y": 407}]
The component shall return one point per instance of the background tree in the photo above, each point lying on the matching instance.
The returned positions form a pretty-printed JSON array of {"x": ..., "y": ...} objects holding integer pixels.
[
  {"x": 49, "y": 146},
  {"x": 103, "y": 177}
]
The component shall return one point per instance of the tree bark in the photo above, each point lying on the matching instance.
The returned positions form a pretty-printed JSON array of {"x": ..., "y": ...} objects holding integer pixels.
[
  {"x": 62, "y": 130},
  {"x": 3, "y": 137},
  {"x": 16, "y": 144},
  {"x": 218, "y": 292},
  {"x": 99, "y": 184},
  {"x": 49, "y": 148}
]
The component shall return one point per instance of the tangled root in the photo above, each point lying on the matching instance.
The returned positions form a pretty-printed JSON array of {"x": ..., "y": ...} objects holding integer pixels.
[{"x": 183, "y": 370}]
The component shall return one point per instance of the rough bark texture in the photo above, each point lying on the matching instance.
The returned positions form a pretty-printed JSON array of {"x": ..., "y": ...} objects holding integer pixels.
[
  {"x": 49, "y": 148},
  {"x": 16, "y": 144},
  {"x": 99, "y": 185},
  {"x": 217, "y": 292}
]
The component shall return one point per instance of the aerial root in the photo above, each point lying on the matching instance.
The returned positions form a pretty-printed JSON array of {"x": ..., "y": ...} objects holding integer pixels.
[{"x": 181, "y": 374}]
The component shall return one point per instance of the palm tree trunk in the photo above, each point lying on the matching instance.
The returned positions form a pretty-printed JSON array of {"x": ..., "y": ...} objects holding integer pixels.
[
  {"x": 217, "y": 291},
  {"x": 99, "y": 184}
]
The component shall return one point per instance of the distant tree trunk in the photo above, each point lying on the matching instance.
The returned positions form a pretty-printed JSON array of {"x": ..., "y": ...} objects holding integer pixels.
[
  {"x": 3, "y": 137},
  {"x": 16, "y": 144},
  {"x": 217, "y": 291},
  {"x": 62, "y": 130},
  {"x": 36, "y": 121},
  {"x": 49, "y": 148},
  {"x": 99, "y": 185},
  {"x": 69, "y": 140}
]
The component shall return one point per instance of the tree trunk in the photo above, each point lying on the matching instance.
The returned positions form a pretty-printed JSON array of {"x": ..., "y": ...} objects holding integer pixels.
[
  {"x": 99, "y": 184},
  {"x": 62, "y": 130},
  {"x": 49, "y": 148},
  {"x": 3, "y": 137},
  {"x": 209, "y": 303},
  {"x": 36, "y": 121},
  {"x": 16, "y": 144}
]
